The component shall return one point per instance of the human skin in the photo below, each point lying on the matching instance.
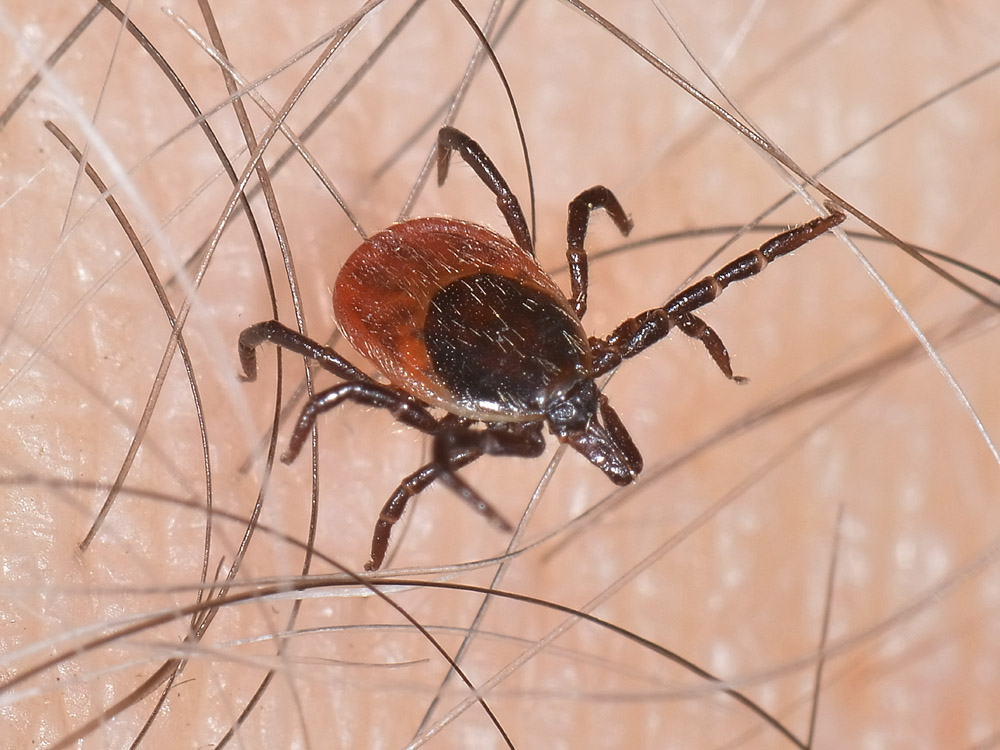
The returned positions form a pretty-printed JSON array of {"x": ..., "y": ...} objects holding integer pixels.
[{"x": 734, "y": 525}]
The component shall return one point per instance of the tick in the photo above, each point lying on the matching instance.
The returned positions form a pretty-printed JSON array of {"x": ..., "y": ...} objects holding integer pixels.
[{"x": 464, "y": 323}]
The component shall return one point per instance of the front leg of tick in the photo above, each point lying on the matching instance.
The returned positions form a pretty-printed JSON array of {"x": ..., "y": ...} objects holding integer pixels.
[{"x": 639, "y": 333}]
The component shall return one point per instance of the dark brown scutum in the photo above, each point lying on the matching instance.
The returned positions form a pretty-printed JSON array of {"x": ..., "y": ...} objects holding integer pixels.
[{"x": 502, "y": 346}]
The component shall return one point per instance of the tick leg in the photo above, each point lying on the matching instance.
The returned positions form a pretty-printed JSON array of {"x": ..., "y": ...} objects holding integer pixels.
[
  {"x": 452, "y": 139},
  {"x": 393, "y": 509},
  {"x": 498, "y": 439},
  {"x": 404, "y": 408},
  {"x": 645, "y": 329},
  {"x": 455, "y": 442},
  {"x": 697, "y": 328},
  {"x": 283, "y": 336},
  {"x": 456, "y": 446},
  {"x": 580, "y": 209},
  {"x": 474, "y": 500}
]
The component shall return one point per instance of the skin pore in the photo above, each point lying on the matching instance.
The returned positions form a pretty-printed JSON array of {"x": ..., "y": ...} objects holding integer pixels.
[{"x": 734, "y": 524}]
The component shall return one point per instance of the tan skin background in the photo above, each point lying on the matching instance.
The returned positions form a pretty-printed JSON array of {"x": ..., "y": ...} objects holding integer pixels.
[{"x": 734, "y": 524}]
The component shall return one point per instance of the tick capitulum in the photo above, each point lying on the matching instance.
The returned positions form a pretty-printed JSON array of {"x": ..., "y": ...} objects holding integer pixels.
[{"x": 461, "y": 319}]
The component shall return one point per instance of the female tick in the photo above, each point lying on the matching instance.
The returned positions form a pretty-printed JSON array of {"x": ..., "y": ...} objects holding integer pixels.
[{"x": 461, "y": 319}]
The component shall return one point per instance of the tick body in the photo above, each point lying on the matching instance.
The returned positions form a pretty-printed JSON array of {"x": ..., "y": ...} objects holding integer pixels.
[
  {"x": 461, "y": 318},
  {"x": 463, "y": 321}
]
